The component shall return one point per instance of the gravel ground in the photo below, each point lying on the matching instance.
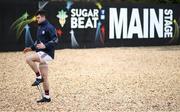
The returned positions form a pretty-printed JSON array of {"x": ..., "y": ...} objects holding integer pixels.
[{"x": 98, "y": 80}]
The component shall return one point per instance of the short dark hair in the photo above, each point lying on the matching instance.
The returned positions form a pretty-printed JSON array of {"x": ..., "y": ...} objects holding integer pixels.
[{"x": 41, "y": 12}]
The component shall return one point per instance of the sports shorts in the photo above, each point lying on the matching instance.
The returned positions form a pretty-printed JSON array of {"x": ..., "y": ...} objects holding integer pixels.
[{"x": 44, "y": 56}]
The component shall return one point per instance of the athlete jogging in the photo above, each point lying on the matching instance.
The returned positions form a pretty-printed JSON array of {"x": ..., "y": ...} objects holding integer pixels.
[{"x": 44, "y": 47}]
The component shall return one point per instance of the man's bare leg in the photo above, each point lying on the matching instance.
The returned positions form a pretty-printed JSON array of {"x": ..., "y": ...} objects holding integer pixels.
[
  {"x": 31, "y": 61},
  {"x": 43, "y": 67}
]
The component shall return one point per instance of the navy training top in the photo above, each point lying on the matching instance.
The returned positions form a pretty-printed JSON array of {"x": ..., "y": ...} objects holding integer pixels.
[{"x": 46, "y": 33}]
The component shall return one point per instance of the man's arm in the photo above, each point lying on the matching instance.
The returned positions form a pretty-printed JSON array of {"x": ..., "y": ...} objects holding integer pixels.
[
  {"x": 31, "y": 48},
  {"x": 27, "y": 49},
  {"x": 53, "y": 39}
]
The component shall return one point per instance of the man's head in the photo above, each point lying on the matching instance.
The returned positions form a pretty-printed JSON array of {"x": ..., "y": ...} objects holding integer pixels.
[{"x": 40, "y": 16}]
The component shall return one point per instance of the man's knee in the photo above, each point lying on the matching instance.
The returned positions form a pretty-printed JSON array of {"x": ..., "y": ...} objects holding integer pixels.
[
  {"x": 33, "y": 58},
  {"x": 28, "y": 60}
]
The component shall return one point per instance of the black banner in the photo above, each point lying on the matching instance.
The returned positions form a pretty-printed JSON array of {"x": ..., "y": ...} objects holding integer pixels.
[{"x": 89, "y": 24}]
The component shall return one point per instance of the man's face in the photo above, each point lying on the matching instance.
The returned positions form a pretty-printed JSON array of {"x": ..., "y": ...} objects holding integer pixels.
[{"x": 40, "y": 18}]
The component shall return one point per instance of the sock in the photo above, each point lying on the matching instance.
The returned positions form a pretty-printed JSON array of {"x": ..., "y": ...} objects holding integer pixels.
[
  {"x": 38, "y": 75},
  {"x": 46, "y": 94}
]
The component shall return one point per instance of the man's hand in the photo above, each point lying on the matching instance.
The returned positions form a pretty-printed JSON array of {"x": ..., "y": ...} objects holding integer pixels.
[
  {"x": 41, "y": 46},
  {"x": 27, "y": 49}
]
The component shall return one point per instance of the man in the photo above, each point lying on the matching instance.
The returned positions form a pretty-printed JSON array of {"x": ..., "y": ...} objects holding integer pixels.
[{"x": 44, "y": 47}]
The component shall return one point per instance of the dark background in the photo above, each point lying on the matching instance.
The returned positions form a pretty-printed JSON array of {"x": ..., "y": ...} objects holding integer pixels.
[{"x": 10, "y": 11}]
